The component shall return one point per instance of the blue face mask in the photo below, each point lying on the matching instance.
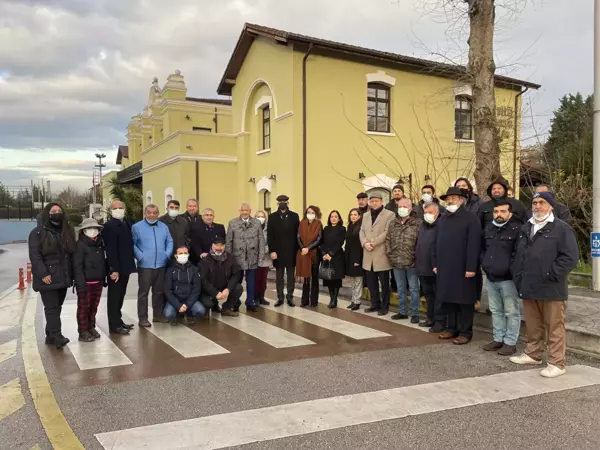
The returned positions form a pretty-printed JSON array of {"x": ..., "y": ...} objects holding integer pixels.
[{"x": 152, "y": 222}]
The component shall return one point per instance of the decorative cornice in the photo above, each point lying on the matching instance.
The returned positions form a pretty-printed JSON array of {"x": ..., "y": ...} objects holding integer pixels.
[
  {"x": 284, "y": 116},
  {"x": 178, "y": 158}
]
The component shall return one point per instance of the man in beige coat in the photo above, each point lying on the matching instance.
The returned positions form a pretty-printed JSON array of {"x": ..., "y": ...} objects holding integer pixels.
[{"x": 373, "y": 232}]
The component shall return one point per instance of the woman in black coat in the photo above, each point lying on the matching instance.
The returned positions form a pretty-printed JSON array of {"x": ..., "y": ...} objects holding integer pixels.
[
  {"x": 332, "y": 252},
  {"x": 51, "y": 249},
  {"x": 354, "y": 257}
]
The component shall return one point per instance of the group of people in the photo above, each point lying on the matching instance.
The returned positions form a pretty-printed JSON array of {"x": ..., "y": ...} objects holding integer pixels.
[{"x": 193, "y": 265}]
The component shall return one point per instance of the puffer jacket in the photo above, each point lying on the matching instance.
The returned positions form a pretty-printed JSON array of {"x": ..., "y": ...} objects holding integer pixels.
[
  {"x": 89, "y": 263},
  {"x": 182, "y": 285},
  {"x": 58, "y": 263},
  {"x": 401, "y": 242},
  {"x": 498, "y": 248},
  {"x": 152, "y": 244},
  {"x": 246, "y": 241}
]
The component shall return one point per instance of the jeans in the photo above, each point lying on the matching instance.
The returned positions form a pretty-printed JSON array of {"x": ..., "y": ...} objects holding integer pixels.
[
  {"x": 250, "y": 285},
  {"x": 197, "y": 310},
  {"x": 506, "y": 314},
  {"x": 401, "y": 275}
]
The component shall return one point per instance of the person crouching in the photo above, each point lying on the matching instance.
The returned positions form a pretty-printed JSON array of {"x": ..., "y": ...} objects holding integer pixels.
[
  {"x": 90, "y": 269},
  {"x": 182, "y": 290}
]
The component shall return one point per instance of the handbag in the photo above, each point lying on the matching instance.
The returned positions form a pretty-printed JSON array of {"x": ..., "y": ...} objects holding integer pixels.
[{"x": 326, "y": 272}]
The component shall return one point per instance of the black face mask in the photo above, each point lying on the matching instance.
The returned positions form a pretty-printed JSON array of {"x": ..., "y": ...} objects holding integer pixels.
[
  {"x": 57, "y": 218},
  {"x": 465, "y": 191},
  {"x": 283, "y": 206}
]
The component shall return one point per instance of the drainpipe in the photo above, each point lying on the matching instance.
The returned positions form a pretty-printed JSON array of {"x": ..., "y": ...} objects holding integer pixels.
[
  {"x": 516, "y": 127},
  {"x": 310, "y": 47},
  {"x": 216, "y": 121}
]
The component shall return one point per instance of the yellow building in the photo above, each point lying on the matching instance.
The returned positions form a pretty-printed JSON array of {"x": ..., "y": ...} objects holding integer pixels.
[{"x": 317, "y": 120}]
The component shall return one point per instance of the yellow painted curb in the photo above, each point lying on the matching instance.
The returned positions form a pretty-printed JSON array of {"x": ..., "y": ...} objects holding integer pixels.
[
  {"x": 57, "y": 429},
  {"x": 8, "y": 350},
  {"x": 11, "y": 398}
]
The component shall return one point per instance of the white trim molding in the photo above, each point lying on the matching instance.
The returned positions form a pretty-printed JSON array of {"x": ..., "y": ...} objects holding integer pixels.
[
  {"x": 262, "y": 102},
  {"x": 465, "y": 141},
  {"x": 464, "y": 89},
  {"x": 169, "y": 192},
  {"x": 256, "y": 83},
  {"x": 264, "y": 184},
  {"x": 177, "y": 158},
  {"x": 379, "y": 180},
  {"x": 381, "y": 77},
  {"x": 377, "y": 133},
  {"x": 262, "y": 152},
  {"x": 148, "y": 198},
  {"x": 284, "y": 116}
]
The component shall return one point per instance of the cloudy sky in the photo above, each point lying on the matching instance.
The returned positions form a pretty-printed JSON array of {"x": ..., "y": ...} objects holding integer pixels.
[{"x": 72, "y": 72}]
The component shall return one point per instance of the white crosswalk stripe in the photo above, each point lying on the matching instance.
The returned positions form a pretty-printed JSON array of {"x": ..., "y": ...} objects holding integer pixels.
[
  {"x": 90, "y": 355},
  {"x": 272, "y": 335},
  {"x": 340, "y": 326},
  {"x": 259, "y": 425},
  {"x": 184, "y": 341}
]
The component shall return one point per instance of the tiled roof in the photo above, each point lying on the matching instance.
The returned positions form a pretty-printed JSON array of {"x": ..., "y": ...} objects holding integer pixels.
[
  {"x": 342, "y": 50},
  {"x": 216, "y": 101}
]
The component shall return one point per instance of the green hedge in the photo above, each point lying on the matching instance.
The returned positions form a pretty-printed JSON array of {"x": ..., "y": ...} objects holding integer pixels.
[{"x": 75, "y": 219}]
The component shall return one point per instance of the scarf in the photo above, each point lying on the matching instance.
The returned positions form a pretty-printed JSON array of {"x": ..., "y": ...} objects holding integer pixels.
[{"x": 309, "y": 233}]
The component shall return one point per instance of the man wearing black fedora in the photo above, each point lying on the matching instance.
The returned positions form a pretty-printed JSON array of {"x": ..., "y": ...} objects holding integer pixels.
[{"x": 456, "y": 258}]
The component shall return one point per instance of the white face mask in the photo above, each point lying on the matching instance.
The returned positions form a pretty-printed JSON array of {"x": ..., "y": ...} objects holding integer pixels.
[
  {"x": 118, "y": 213},
  {"x": 310, "y": 216},
  {"x": 183, "y": 258},
  {"x": 429, "y": 218},
  {"x": 427, "y": 198},
  {"x": 452, "y": 208},
  {"x": 261, "y": 220},
  {"x": 403, "y": 211},
  {"x": 91, "y": 232},
  {"x": 173, "y": 213}
]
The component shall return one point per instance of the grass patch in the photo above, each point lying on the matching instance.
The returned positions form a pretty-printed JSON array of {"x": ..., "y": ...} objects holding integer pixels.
[{"x": 583, "y": 267}]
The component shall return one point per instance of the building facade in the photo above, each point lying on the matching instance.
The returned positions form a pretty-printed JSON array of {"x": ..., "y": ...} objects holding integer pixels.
[{"x": 317, "y": 120}]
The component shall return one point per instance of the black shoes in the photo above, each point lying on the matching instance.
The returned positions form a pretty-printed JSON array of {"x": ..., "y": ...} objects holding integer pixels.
[
  {"x": 128, "y": 326},
  {"x": 216, "y": 308},
  {"x": 143, "y": 323},
  {"x": 350, "y": 305},
  {"x": 191, "y": 320},
  {"x": 86, "y": 337},
  {"x": 291, "y": 303},
  {"x": 354, "y": 307},
  {"x": 279, "y": 303},
  {"x": 382, "y": 312},
  {"x": 371, "y": 309},
  {"x": 426, "y": 324},
  {"x": 252, "y": 308},
  {"x": 263, "y": 302},
  {"x": 60, "y": 341},
  {"x": 399, "y": 316},
  {"x": 414, "y": 319},
  {"x": 123, "y": 330},
  {"x": 229, "y": 313},
  {"x": 507, "y": 350},
  {"x": 94, "y": 333}
]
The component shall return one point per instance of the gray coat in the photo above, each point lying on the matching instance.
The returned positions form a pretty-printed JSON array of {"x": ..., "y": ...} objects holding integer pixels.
[
  {"x": 246, "y": 241},
  {"x": 267, "y": 261}
]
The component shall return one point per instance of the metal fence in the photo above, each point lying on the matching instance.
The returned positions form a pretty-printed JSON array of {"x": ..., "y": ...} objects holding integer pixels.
[{"x": 18, "y": 212}]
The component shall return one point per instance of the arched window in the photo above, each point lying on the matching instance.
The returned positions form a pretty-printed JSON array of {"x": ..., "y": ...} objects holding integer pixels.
[
  {"x": 169, "y": 195},
  {"x": 378, "y": 107},
  {"x": 148, "y": 197},
  {"x": 267, "y": 201},
  {"x": 463, "y": 118}
]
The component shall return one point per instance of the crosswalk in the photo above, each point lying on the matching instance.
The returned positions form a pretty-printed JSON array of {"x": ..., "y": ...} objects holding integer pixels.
[{"x": 301, "y": 331}]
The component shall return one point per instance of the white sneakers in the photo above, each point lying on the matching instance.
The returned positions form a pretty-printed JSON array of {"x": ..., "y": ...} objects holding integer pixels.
[
  {"x": 524, "y": 359},
  {"x": 552, "y": 371},
  {"x": 549, "y": 372}
]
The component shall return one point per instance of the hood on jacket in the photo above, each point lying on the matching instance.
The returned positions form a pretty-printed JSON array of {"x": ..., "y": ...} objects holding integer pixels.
[{"x": 502, "y": 182}]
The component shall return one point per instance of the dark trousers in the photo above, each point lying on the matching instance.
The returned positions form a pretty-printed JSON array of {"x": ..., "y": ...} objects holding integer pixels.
[
  {"x": 479, "y": 282},
  {"x": 155, "y": 279},
  {"x": 232, "y": 301},
  {"x": 435, "y": 312},
  {"x": 290, "y": 282},
  {"x": 53, "y": 301},
  {"x": 261, "y": 282},
  {"x": 310, "y": 287},
  {"x": 87, "y": 307},
  {"x": 114, "y": 301},
  {"x": 250, "y": 285},
  {"x": 373, "y": 280},
  {"x": 460, "y": 319}
]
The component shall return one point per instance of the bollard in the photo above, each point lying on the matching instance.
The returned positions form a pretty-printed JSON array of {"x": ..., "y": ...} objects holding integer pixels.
[
  {"x": 21, "y": 280},
  {"x": 28, "y": 272}
]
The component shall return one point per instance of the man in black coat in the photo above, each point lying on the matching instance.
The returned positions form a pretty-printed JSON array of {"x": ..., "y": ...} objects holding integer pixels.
[
  {"x": 561, "y": 211},
  {"x": 178, "y": 225},
  {"x": 206, "y": 233},
  {"x": 282, "y": 239},
  {"x": 119, "y": 253},
  {"x": 436, "y": 317},
  {"x": 192, "y": 217},
  {"x": 497, "y": 250},
  {"x": 220, "y": 274},
  {"x": 455, "y": 261},
  {"x": 498, "y": 190},
  {"x": 546, "y": 253},
  {"x": 427, "y": 196}
]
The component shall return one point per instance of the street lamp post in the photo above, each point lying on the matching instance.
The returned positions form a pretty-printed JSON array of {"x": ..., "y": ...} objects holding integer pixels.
[{"x": 99, "y": 165}]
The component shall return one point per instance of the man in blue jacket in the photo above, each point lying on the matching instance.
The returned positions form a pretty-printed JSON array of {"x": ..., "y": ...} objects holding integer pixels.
[
  {"x": 153, "y": 246},
  {"x": 182, "y": 289}
]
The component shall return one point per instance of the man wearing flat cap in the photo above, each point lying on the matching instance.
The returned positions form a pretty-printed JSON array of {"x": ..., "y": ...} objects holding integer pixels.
[
  {"x": 363, "y": 202},
  {"x": 546, "y": 252},
  {"x": 373, "y": 232},
  {"x": 455, "y": 261},
  {"x": 283, "y": 245}
]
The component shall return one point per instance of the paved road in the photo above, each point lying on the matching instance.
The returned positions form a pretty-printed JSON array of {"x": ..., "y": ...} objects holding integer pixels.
[
  {"x": 259, "y": 384},
  {"x": 12, "y": 257}
]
